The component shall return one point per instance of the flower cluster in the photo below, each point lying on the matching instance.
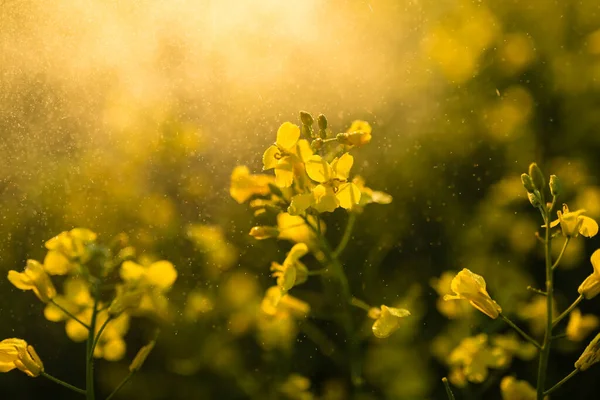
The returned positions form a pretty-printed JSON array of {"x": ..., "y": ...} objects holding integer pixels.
[{"x": 102, "y": 289}]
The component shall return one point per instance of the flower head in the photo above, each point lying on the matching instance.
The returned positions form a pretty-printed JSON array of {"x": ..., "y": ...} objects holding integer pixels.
[
  {"x": 590, "y": 287},
  {"x": 388, "y": 320},
  {"x": 287, "y": 152},
  {"x": 34, "y": 278},
  {"x": 474, "y": 356},
  {"x": 357, "y": 135},
  {"x": 513, "y": 389},
  {"x": 469, "y": 286},
  {"x": 573, "y": 223},
  {"x": 16, "y": 353},
  {"x": 333, "y": 189},
  {"x": 67, "y": 249},
  {"x": 245, "y": 185},
  {"x": 292, "y": 272},
  {"x": 580, "y": 326}
]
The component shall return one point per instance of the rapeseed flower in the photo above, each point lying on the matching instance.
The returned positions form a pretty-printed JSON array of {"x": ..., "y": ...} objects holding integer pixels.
[
  {"x": 35, "y": 278},
  {"x": 469, "y": 286}
]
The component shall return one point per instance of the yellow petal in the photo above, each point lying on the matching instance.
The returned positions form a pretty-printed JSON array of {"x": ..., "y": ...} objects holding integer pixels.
[
  {"x": 348, "y": 195},
  {"x": 270, "y": 157},
  {"x": 587, "y": 226},
  {"x": 341, "y": 166},
  {"x": 284, "y": 173},
  {"x": 318, "y": 169},
  {"x": 131, "y": 271},
  {"x": 161, "y": 274},
  {"x": 114, "y": 349},
  {"x": 56, "y": 263},
  {"x": 287, "y": 136},
  {"x": 300, "y": 203},
  {"x": 304, "y": 150}
]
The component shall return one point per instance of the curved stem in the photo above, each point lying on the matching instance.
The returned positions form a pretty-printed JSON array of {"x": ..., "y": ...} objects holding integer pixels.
[
  {"x": 346, "y": 237},
  {"x": 97, "y": 338},
  {"x": 562, "y": 382},
  {"x": 62, "y": 383},
  {"x": 319, "y": 338},
  {"x": 567, "y": 311},
  {"x": 123, "y": 382},
  {"x": 562, "y": 251},
  {"x": 86, "y": 326},
  {"x": 521, "y": 332}
]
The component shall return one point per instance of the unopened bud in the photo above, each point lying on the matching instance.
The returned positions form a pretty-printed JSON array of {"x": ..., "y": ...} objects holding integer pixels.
[
  {"x": 590, "y": 356},
  {"x": 264, "y": 232},
  {"x": 537, "y": 177},
  {"x": 555, "y": 186},
  {"x": 322, "y": 122},
  {"x": 527, "y": 183},
  {"x": 534, "y": 199},
  {"x": 306, "y": 118}
]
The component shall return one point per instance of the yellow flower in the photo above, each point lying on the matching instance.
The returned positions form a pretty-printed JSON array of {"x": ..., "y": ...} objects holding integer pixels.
[
  {"x": 153, "y": 281},
  {"x": 368, "y": 195},
  {"x": 111, "y": 345},
  {"x": 580, "y": 326},
  {"x": 287, "y": 152},
  {"x": 590, "y": 356},
  {"x": 67, "y": 249},
  {"x": 292, "y": 272},
  {"x": 450, "y": 309},
  {"x": 387, "y": 320},
  {"x": 469, "y": 286},
  {"x": 333, "y": 189},
  {"x": 296, "y": 387},
  {"x": 16, "y": 353},
  {"x": 535, "y": 313},
  {"x": 34, "y": 278},
  {"x": 514, "y": 346},
  {"x": 591, "y": 285},
  {"x": 513, "y": 389},
  {"x": 573, "y": 223},
  {"x": 358, "y": 134},
  {"x": 474, "y": 356},
  {"x": 245, "y": 185}
]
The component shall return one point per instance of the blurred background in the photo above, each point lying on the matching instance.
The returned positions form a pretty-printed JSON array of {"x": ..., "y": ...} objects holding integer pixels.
[{"x": 129, "y": 116}]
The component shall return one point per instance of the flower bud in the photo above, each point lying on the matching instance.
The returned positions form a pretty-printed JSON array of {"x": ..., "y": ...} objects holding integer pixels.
[
  {"x": 322, "y": 122},
  {"x": 527, "y": 183},
  {"x": 264, "y": 232},
  {"x": 555, "y": 186},
  {"x": 537, "y": 177},
  {"x": 534, "y": 199},
  {"x": 590, "y": 356},
  {"x": 306, "y": 118},
  {"x": 141, "y": 356}
]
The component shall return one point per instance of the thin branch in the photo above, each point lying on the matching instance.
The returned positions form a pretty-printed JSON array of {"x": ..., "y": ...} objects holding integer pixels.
[
  {"x": 568, "y": 310},
  {"x": 562, "y": 382},
  {"x": 521, "y": 332},
  {"x": 62, "y": 383},
  {"x": 86, "y": 326}
]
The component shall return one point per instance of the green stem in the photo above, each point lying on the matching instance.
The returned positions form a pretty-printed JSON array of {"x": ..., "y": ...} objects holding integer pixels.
[
  {"x": 62, "y": 383},
  {"x": 346, "y": 237},
  {"x": 538, "y": 291},
  {"x": 97, "y": 338},
  {"x": 545, "y": 351},
  {"x": 123, "y": 382},
  {"x": 562, "y": 382},
  {"x": 89, "y": 371},
  {"x": 86, "y": 326},
  {"x": 567, "y": 311},
  {"x": 562, "y": 251},
  {"x": 448, "y": 389},
  {"x": 521, "y": 332},
  {"x": 360, "y": 304},
  {"x": 338, "y": 271},
  {"x": 319, "y": 338}
]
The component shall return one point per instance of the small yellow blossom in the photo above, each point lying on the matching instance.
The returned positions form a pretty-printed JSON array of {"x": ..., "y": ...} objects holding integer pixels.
[
  {"x": 474, "y": 356},
  {"x": 357, "y": 135},
  {"x": 591, "y": 285},
  {"x": 111, "y": 345},
  {"x": 287, "y": 152},
  {"x": 388, "y": 320},
  {"x": 333, "y": 189},
  {"x": 34, "y": 278},
  {"x": 292, "y": 272},
  {"x": 580, "y": 326},
  {"x": 450, "y": 309},
  {"x": 535, "y": 312},
  {"x": 513, "y": 389},
  {"x": 16, "y": 353},
  {"x": 75, "y": 299},
  {"x": 296, "y": 387},
  {"x": 590, "y": 356},
  {"x": 368, "y": 195},
  {"x": 245, "y": 185},
  {"x": 515, "y": 346},
  {"x": 469, "y": 286},
  {"x": 573, "y": 223},
  {"x": 211, "y": 241},
  {"x": 68, "y": 249},
  {"x": 197, "y": 303}
]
